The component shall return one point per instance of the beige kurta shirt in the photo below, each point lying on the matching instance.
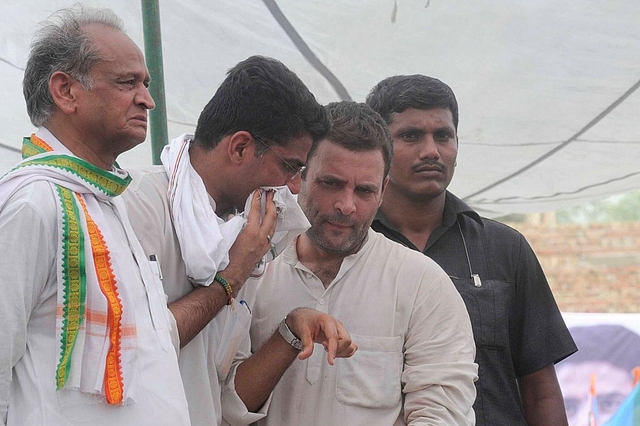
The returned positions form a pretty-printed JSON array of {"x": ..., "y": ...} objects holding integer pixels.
[{"x": 415, "y": 362}]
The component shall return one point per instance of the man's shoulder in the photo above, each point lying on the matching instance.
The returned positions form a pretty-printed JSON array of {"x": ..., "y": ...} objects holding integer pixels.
[
  {"x": 147, "y": 182},
  {"x": 506, "y": 245},
  {"x": 146, "y": 195},
  {"x": 145, "y": 174},
  {"x": 39, "y": 194},
  {"x": 396, "y": 255},
  {"x": 495, "y": 229},
  {"x": 385, "y": 244}
]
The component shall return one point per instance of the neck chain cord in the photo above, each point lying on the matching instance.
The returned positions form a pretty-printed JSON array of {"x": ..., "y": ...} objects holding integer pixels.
[{"x": 476, "y": 278}]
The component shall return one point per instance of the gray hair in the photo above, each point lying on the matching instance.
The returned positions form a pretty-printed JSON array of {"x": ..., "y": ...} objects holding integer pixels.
[{"x": 62, "y": 45}]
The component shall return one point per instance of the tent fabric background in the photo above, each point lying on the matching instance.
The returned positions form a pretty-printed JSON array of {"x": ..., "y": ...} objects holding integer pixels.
[{"x": 548, "y": 90}]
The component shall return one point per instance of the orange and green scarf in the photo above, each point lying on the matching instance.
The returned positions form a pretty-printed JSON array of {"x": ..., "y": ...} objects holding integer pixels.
[{"x": 84, "y": 257}]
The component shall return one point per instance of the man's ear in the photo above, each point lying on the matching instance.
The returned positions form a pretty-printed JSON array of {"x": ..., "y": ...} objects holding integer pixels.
[
  {"x": 240, "y": 147},
  {"x": 63, "y": 90}
]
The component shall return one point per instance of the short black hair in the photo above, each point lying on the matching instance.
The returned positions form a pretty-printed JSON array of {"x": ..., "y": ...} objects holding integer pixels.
[
  {"x": 262, "y": 96},
  {"x": 396, "y": 94},
  {"x": 358, "y": 128}
]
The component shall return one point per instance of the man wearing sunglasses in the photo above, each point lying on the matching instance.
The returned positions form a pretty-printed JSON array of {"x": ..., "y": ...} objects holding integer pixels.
[{"x": 255, "y": 132}]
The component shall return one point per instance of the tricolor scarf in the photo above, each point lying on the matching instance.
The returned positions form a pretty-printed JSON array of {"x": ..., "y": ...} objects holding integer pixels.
[{"x": 96, "y": 329}]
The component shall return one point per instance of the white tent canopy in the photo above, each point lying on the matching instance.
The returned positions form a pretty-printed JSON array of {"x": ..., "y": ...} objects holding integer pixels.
[{"x": 549, "y": 106}]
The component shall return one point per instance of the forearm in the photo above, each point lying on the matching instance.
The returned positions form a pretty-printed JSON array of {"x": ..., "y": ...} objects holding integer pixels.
[
  {"x": 195, "y": 310},
  {"x": 257, "y": 376},
  {"x": 440, "y": 393},
  {"x": 542, "y": 398}
]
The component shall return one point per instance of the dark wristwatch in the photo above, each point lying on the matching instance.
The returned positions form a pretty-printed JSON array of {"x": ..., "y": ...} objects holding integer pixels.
[{"x": 288, "y": 335}]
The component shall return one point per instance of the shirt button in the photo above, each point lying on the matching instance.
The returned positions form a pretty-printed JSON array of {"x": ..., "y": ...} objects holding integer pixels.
[
  {"x": 308, "y": 274},
  {"x": 321, "y": 301}
]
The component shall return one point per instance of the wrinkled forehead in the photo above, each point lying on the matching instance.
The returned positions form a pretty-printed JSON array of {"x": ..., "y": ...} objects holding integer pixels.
[{"x": 341, "y": 162}]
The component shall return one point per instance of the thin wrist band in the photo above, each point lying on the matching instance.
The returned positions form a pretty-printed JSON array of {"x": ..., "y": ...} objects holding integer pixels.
[{"x": 225, "y": 284}]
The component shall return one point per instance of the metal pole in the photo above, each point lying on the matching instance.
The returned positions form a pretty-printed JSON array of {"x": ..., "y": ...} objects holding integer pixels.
[{"x": 153, "y": 53}]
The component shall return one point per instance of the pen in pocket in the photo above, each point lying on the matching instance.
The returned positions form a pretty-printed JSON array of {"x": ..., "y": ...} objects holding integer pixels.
[
  {"x": 155, "y": 266},
  {"x": 243, "y": 302}
]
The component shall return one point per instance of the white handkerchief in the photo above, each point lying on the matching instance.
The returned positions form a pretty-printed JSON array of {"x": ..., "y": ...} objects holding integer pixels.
[
  {"x": 290, "y": 222},
  {"x": 205, "y": 239}
]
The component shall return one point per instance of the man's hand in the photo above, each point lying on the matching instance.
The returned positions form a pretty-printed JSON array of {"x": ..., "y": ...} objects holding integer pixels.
[
  {"x": 252, "y": 243},
  {"x": 257, "y": 376},
  {"x": 196, "y": 309},
  {"x": 312, "y": 326}
]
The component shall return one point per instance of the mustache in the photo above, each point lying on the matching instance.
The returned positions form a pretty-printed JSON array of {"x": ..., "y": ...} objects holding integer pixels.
[
  {"x": 340, "y": 219},
  {"x": 428, "y": 165}
]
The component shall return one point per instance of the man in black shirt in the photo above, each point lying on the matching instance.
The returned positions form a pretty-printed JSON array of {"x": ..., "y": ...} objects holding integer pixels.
[{"x": 518, "y": 329}]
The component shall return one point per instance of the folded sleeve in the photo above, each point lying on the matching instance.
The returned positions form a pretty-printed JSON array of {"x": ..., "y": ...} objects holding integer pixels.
[
  {"x": 439, "y": 371},
  {"x": 234, "y": 411}
]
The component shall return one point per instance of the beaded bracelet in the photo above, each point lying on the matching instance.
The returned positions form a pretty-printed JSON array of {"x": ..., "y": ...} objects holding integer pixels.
[{"x": 225, "y": 284}]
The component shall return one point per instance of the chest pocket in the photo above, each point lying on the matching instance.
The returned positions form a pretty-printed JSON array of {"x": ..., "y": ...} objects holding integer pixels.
[
  {"x": 488, "y": 307},
  {"x": 371, "y": 378}
]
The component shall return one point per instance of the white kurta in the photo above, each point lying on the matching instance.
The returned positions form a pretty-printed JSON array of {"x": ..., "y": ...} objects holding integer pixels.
[
  {"x": 149, "y": 213},
  {"x": 30, "y": 349},
  {"x": 414, "y": 363}
]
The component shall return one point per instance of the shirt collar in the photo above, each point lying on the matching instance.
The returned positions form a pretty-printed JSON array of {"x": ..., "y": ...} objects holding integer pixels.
[
  {"x": 290, "y": 254},
  {"x": 453, "y": 207}
]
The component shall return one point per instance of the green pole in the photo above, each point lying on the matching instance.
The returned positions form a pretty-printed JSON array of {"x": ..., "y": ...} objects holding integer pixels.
[{"x": 153, "y": 53}]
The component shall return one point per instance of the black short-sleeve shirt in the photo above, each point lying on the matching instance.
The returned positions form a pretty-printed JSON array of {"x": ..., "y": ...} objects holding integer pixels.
[{"x": 517, "y": 326}]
